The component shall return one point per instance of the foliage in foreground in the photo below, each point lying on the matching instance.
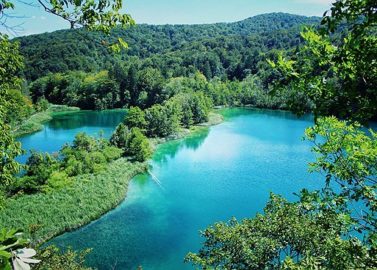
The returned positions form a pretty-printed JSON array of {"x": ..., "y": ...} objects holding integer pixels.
[
  {"x": 286, "y": 233},
  {"x": 53, "y": 259},
  {"x": 13, "y": 254},
  {"x": 337, "y": 72}
]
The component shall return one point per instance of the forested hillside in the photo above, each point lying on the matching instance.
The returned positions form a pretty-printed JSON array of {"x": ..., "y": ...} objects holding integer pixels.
[
  {"x": 226, "y": 61},
  {"x": 228, "y": 50}
]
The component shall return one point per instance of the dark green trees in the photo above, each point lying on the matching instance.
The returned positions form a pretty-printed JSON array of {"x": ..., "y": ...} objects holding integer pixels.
[
  {"x": 135, "y": 118},
  {"x": 88, "y": 91},
  {"x": 132, "y": 142},
  {"x": 120, "y": 136},
  {"x": 138, "y": 145},
  {"x": 163, "y": 120}
]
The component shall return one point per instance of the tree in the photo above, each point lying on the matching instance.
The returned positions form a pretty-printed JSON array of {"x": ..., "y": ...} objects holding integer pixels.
[
  {"x": 39, "y": 168},
  {"x": 347, "y": 156},
  {"x": 120, "y": 137},
  {"x": 184, "y": 102},
  {"x": 163, "y": 120},
  {"x": 139, "y": 146},
  {"x": 200, "y": 106},
  {"x": 10, "y": 62},
  {"x": 9, "y": 150},
  {"x": 135, "y": 118},
  {"x": 286, "y": 234},
  {"x": 97, "y": 15},
  {"x": 151, "y": 82}
]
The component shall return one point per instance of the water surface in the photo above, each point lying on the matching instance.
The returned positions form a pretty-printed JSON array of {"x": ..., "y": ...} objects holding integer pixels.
[
  {"x": 226, "y": 171},
  {"x": 64, "y": 127}
]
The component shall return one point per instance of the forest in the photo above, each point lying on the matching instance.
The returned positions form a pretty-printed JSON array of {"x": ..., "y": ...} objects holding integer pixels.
[
  {"x": 231, "y": 57},
  {"x": 170, "y": 78}
]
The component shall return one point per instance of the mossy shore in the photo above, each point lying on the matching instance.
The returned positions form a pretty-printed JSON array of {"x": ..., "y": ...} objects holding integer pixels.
[
  {"x": 35, "y": 122},
  {"x": 45, "y": 215}
]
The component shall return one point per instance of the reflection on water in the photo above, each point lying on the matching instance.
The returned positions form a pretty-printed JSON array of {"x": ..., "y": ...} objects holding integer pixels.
[
  {"x": 169, "y": 150},
  {"x": 82, "y": 119},
  {"x": 224, "y": 172}
]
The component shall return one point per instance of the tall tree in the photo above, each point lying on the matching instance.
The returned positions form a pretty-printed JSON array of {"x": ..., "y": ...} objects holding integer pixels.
[{"x": 10, "y": 63}]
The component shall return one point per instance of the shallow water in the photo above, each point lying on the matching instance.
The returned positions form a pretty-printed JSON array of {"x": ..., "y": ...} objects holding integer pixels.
[{"x": 226, "y": 171}]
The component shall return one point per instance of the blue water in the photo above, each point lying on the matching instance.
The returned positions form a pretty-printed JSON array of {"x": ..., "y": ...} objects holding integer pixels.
[
  {"x": 226, "y": 171},
  {"x": 63, "y": 128}
]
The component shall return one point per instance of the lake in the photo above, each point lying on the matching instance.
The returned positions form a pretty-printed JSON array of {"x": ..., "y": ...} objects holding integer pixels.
[
  {"x": 63, "y": 128},
  {"x": 224, "y": 172}
]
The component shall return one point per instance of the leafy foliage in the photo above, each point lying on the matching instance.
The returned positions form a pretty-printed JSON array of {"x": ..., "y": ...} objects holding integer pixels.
[
  {"x": 120, "y": 136},
  {"x": 286, "y": 234},
  {"x": 13, "y": 254},
  {"x": 135, "y": 118},
  {"x": 53, "y": 258},
  {"x": 348, "y": 157},
  {"x": 138, "y": 145},
  {"x": 10, "y": 63},
  {"x": 337, "y": 73}
]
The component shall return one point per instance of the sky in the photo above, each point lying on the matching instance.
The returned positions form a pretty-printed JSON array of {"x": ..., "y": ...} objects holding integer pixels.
[{"x": 34, "y": 20}]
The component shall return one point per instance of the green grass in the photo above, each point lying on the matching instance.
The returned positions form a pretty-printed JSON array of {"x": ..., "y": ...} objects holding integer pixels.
[
  {"x": 63, "y": 210},
  {"x": 35, "y": 122}
]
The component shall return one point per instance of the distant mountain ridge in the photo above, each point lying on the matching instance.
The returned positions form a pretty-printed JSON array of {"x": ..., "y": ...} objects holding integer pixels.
[{"x": 67, "y": 50}]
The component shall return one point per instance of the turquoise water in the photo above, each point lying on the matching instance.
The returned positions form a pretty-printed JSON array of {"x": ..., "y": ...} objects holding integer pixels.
[
  {"x": 215, "y": 175},
  {"x": 63, "y": 128}
]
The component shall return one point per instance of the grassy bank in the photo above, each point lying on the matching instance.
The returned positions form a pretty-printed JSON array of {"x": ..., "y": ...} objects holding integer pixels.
[
  {"x": 35, "y": 122},
  {"x": 43, "y": 216}
]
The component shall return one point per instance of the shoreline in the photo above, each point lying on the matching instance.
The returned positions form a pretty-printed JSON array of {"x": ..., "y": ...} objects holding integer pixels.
[
  {"x": 91, "y": 196},
  {"x": 36, "y": 121}
]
